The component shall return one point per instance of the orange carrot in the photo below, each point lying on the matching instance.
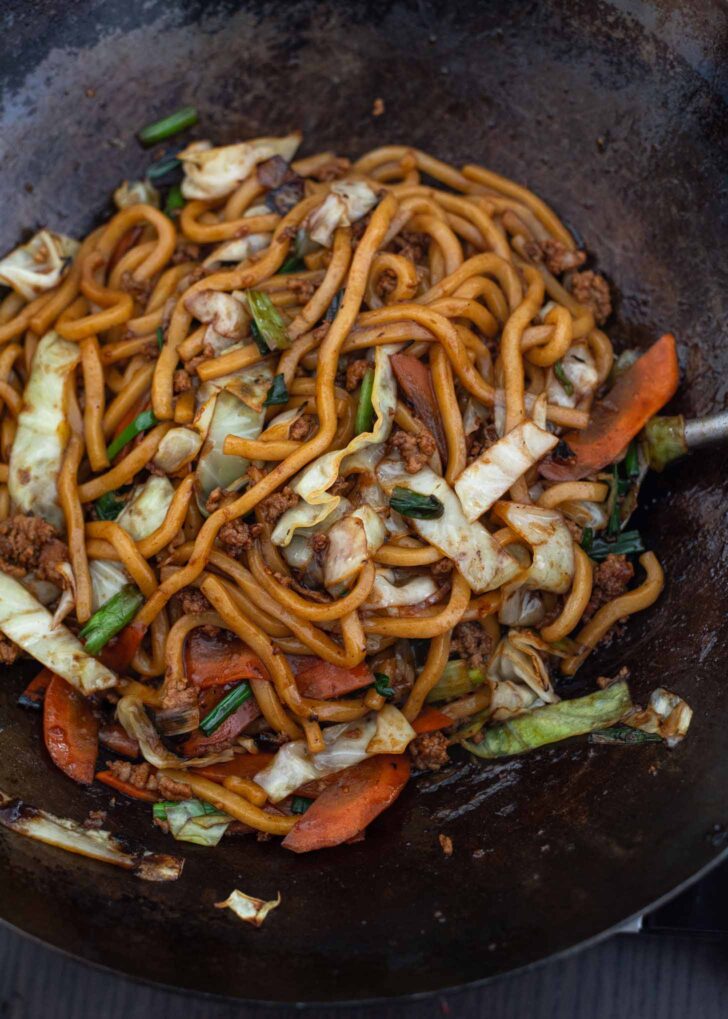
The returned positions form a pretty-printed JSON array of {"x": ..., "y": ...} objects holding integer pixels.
[
  {"x": 636, "y": 396},
  {"x": 217, "y": 659},
  {"x": 322, "y": 680},
  {"x": 241, "y": 766},
  {"x": 32, "y": 696},
  {"x": 110, "y": 779},
  {"x": 346, "y": 807},
  {"x": 70, "y": 730},
  {"x": 415, "y": 379},
  {"x": 430, "y": 720}
]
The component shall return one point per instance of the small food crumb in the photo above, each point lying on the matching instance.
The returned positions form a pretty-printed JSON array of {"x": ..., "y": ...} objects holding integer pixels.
[
  {"x": 90, "y": 93},
  {"x": 378, "y": 107},
  {"x": 446, "y": 844}
]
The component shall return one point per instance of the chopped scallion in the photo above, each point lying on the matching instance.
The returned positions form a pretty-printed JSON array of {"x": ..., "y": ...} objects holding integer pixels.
[
  {"x": 224, "y": 708},
  {"x": 623, "y": 735},
  {"x": 178, "y": 121},
  {"x": 566, "y": 383},
  {"x": 587, "y": 538},
  {"x": 160, "y": 337},
  {"x": 333, "y": 309},
  {"x": 111, "y": 618},
  {"x": 278, "y": 392},
  {"x": 292, "y": 264},
  {"x": 163, "y": 166},
  {"x": 109, "y": 506},
  {"x": 632, "y": 460},
  {"x": 413, "y": 504},
  {"x": 175, "y": 200},
  {"x": 300, "y": 804},
  {"x": 268, "y": 319},
  {"x": 383, "y": 684},
  {"x": 626, "y": 543},
  {"x": 365, "y": 409},
  {"x": 147, "y": 419}
]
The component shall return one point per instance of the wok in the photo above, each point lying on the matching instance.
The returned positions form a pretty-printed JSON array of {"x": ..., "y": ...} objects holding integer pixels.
[{"x": 616, "y": 114}]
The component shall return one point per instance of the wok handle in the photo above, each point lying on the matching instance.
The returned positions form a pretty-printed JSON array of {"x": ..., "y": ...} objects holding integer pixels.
[{"x": 706, "y": 431}]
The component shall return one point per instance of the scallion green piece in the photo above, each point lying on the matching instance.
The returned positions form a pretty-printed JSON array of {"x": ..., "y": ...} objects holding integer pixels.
[
  {"x": 257, "y": 338},
  {"x": 623, "y": 735},
  {"x": 224, "y": 708},
  {"x": 167, "y": 126},
  {"x": 665, "y": 440},
  {"x": 365, "y": 409},
  {"x": 300, "y": 804},
  {"x": 292, "y": 264},
  {"x": 614, "y": 515},
  {"x": 268, "y": 320},
  {"x": 278, "y": 392},
  {"x": 111, "y": 618},
  {"x": 333, "y": 309},
  {"x": 632, "y": 460},
  {"x": 175, "y": 200},
  {"x": 162, "y": 167},
  {"x": 383, "y": 684},
  {"x": 147, "y": 419},
  {"x": 587, "y": 539},
  {"x": 160, "y": 808},
  {"x": 566, "y": 383},
  {"x": 457, "y": 680},
  {"x": 413, "y": 504},
  {"x": 626, "y": 543},
  {"x": 160, "y": 337},
  {"x": 109, "y": 506}
]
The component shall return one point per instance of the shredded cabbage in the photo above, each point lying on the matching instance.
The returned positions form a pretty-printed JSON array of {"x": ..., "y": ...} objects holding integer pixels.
[
  {"x": 147, "y": 508},
  {"x": 386, "y": 595},
  {"x": 24, "y": 620},
  {"x": 42, "y": 433},
  {"x": 516, "y": 658},
  {"x": 475, "y": 552},
  {"x": 352, "y": 542},
  {"x": 38, "y": 265},
  {"x": 136, "y": 192},
  {"x": 667, "y": 714},
  {"x": 579, "y": 369},
  {"x": 313, "y": 483},
  {"x": 346, "y": 202},
  {"x": 248, "y": 908},
  {"x": 552, "y": 545},
  {"x": 240, "y": 248},
  {"x": 486, "y": 479},
  {"x": 223, "y": 312},
  {"x": 136, "y": 722},
  {"x": 178, "y": 448},
  {"x": 215, "y": 172}
]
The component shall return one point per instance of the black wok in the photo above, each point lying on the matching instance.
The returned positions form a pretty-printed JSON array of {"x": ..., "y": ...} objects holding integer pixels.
[{"x": 616, "y": 114}]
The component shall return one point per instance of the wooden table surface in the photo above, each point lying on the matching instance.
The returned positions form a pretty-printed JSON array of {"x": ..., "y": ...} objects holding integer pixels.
[{"x": 627, "y": 977}]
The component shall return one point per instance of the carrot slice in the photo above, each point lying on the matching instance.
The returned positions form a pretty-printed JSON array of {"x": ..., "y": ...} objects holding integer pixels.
[
  {"x": 70, "y": 730},
  {"x": 636, "y": 396},
  {"x": 348, "y": 805},
  {"x": 217, "y": 659},
  {"x": 32, "y": 696},
  {"x": 198, "y": 743},
  {"x": 241, "y": 766},
  {"x": 322, "y": 680},
  {"x": 110, "y": 779},
  {"x": 430, "y": 720},
  {"x": 120, "y": 650},
  {"x": 415, "y": 379}
]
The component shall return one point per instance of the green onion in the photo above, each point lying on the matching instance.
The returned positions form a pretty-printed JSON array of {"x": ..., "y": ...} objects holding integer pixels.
[
  {"x": 614, "y": 515},
  {"x": 160, "y": 808},
  {"x": 665, "y": 440},
  {"x": 224, "y": 708},
  {"x": 167, "y": 126},
  {"x": 268, "y": 320},
  {"x": 333, "y": 309},
  {"x": 563, "y": 378},
  {"x": 624, "y": 735},
  {"x": 292, "y": 264},
  {"x": 160, "y": 337},
  {"x": 278, "y": 392},
  {"x": 162, "y": 167},
  {"x": 258, "y": 338},
  {"x": 175, "y": 200},
  {"x": 111, "y": 618},
  {"x": 632, "y": 460},
  {"x": 147, "y": 419},
  {"x": 365, "y": 409},
  {"x": 413, "y": 504},
  {"x": 300, "y": 804},
  {"x": 109, "y": 506},
  {"x": 587, "y": 539},
  {"x": 553, "y": 723},
  {"x": 383, "y": 684},
  {"x": 304, "y": 245},
  {"x": 456, "y": 680},
  {"x": 626, "y": 543}
]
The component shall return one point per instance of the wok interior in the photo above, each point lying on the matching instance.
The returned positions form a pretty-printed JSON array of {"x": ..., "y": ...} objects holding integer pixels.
[{"x": 622, "y": 137}]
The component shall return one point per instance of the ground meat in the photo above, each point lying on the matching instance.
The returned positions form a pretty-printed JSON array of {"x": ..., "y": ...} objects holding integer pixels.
[
  {"x": 556, "y": 256},
  {"x": 304, "y": 289},
  {"x": 302, "y": 427},
  {"x": 115, "y": 738},
  {"x": 478, "y": 441},
  {"x": 398, "y": 665},
  {"x": 172, "y": 790},
  {"x": 30, "y": 545},
  {"x": 344, "y": 486},
  {"x": 415, "y": 450},
  {"x": 237, "y": 537},
  {"x": 472, "y": 643},
  {"x": 319, "y": 543},
  {"x": 412, "y": 245},
  {"x": 576, "y": 532},
  {"x": 275, "y": 505},
  {"x": 591, "y": 289},
  {"x": 217, "y": 498},
  {"x": 334, "y": 169},
  {"x": 355, "y": 372},
  {"x": 9, "y": 652},
  {"x": 185, "y": 251},
  {"x": 140, "y": 290},
  {"x": 429, "y": 751},
  {"x": 181, "y": 381},
  {"x": 611, "y": 578},
  {"x": 205, "y": 354},
  {"x": 140, "y": 776},
  {"x": 192, "y": 601},
  {"x": 386, "y": 283}
]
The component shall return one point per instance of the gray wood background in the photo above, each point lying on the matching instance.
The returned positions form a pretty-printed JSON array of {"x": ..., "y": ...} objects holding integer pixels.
[{"x": 627, "y": 977}]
